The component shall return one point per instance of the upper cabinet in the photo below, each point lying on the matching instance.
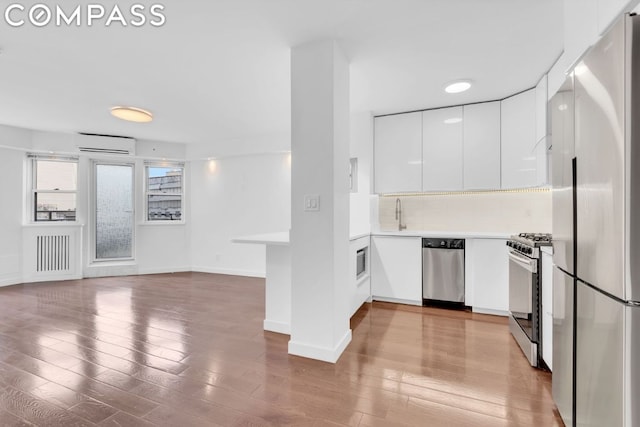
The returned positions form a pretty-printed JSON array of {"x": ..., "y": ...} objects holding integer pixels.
[
  {"x": 543, "y": 154},
  {"x": 484, "y": 146},
  {"x": 442, "y": 149},
  {"x": 398, "y": 153},
  {"x": 541, "y": 109},
  {"x": 481, "y": 146},
  {"x": 518, "y": 125}
]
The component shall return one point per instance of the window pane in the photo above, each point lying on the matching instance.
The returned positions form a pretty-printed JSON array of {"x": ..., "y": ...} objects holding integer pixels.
[
  {"x": 114, "y": 211},
  {"x": 52, "y": 175},
  {"x": 55, "y": 207},
  {"x": 163, "y": 208},
  {"x": 164, "y": 180}
]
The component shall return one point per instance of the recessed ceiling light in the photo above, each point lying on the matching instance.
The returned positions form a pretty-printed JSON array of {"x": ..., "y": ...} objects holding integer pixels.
[
  {"x": 453, "y": 120},
  {"x": 132, "y": 114},
  {"x": 457, "y": 86}
]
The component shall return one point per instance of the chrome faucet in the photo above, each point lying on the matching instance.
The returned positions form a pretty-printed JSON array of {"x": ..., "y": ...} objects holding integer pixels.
[{"x": 399, "y": 215}]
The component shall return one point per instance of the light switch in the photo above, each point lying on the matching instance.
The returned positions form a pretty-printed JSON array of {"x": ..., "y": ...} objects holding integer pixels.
[{"x": 311, "y": 202}]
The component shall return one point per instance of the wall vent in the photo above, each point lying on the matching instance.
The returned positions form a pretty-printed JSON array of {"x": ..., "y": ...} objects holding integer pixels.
[{"x": 53, "y": 253}]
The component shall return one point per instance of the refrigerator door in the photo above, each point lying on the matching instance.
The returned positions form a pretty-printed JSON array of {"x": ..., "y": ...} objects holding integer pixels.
[
  {"x": 563, "y": 151},
  {"x": 633, "y": 160},
  {"x": 600, "y": 152},
  {"x": 632, "y": 367},
  {"x": 562, "y": 378},
  {"x": 600, "y": 354}
]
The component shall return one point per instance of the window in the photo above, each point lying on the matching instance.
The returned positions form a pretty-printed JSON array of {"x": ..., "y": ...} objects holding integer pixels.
[
  {"x": 54, "y": 188},
  {"x": 164, "y": 192}
]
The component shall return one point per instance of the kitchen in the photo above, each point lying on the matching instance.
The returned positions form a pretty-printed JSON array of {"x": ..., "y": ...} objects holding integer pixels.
[{"x": 432, "y": 195}]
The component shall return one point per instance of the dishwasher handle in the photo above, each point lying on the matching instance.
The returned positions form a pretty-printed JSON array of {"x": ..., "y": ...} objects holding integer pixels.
[{"x": 442, "y": 243}]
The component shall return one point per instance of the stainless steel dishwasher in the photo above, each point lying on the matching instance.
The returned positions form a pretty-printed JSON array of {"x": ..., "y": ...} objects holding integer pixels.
[{"x": 443, "y": 272}]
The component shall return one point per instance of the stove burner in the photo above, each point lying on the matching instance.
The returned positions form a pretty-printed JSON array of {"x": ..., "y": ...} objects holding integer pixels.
[{"x": 536, "y": 237}]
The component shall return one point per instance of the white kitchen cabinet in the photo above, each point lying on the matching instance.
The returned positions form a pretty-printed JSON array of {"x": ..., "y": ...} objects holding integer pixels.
[
  {"x": 542, "y": 141},
  {"x": 580, "y": 27},
  {"x": 519, "y": 162},
  {"x": 487, "y": 275},
  {"x": 546, "y": 310},
  {"x": 442, "y": 149},
  {"x": 396, "y": 269},
  {"x": 481, "y": 146},
  {"x": 359, "y": 286},
  {"x": 541, "y": 108},
  {"x": 398, "y": 153},
  {"x": 608, "y": 11}
]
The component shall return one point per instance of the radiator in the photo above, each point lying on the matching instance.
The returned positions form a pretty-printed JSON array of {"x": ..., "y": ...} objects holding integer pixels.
[{"x": 53, "y": 253}]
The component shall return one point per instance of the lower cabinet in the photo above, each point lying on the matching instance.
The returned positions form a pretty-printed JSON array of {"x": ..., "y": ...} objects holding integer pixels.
[
  {"x": 396, "y": 269},
  {"x": 546, "y": 310},
  {"x": 487, "y": 275}
]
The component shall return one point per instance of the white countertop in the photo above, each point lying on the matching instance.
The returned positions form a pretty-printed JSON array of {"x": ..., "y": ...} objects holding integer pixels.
[
  {"x": 279, "y": 238},
  {"x": 444, "y": 234},
  {"x": 282, "y": 237}
]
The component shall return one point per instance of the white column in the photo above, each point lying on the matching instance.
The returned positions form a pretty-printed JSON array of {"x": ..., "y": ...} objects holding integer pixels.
[{"x": 320, "y": 169}]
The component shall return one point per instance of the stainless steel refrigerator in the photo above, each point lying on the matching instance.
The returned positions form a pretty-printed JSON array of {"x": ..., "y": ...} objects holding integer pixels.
[{"x": 595, "y": 127}]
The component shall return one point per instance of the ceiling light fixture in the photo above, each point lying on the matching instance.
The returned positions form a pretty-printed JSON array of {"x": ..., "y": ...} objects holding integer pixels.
[
  {"x": 452, "y": 120},
  {"x": 457, "y": 86},
  {"x": 132, "y": 114}
]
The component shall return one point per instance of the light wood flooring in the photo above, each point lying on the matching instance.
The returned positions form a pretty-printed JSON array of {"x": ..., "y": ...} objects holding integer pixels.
[{"x": 188, "y": 349}]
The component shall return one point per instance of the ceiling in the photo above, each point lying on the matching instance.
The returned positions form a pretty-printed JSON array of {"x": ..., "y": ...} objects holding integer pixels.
[{"x": 218, "y": 70}]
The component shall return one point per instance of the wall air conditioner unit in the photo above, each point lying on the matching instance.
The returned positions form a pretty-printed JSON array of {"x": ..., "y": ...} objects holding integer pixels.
[{"x": 105, "y": 144}]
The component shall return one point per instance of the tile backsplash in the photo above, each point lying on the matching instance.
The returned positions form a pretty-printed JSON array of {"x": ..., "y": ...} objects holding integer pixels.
[{"x": 508, "y": 211}]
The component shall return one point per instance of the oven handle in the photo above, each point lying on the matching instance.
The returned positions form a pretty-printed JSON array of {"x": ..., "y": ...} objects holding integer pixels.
[{"x": 528, "y": 264}]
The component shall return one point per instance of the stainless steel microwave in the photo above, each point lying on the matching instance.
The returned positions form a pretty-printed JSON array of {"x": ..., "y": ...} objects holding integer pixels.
[{"x": 361, "y": 262}]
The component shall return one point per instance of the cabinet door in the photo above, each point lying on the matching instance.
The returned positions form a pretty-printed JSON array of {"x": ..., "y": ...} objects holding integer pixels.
[
  {"x": 542, "y": 132},
  {"x": 482, "y": 146},
  {"x": 396, "y": 269},
  {"x": 518, "y": 124},
  {"x": 546, "y": 310},
  {"x": 541, "y": 109},
  {"x": 398, "y": 153},
  {"x": 488, "y": 275},
  {"x": 442, "y": 149}
]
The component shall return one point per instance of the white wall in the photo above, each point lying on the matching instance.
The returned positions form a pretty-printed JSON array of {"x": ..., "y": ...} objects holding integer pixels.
[
  {"x": 159, "y": 248},
  {"x": 237, "y": 196},
  {"x": 11, "y": 203}
]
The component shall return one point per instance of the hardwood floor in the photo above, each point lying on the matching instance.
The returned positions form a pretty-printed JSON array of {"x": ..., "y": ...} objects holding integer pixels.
[{"x": 188, "y": 349}]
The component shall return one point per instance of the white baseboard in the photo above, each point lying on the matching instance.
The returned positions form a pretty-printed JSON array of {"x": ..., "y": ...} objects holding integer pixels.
[
  {"x": 229, "y": 271},
  {"x": 324, "y": 354},
  {"x": 11, "y": 280},
  {"x": 490, "y": 311},
  {"x": 164, "y": 270},
  {"x": 51, "y": 278},
  {"x": 275, "y": 326},
  {"x": 396, "y": 300}
]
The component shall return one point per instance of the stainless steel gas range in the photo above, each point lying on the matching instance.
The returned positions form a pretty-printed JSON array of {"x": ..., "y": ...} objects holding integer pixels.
[{"x": 524, "y": 292}]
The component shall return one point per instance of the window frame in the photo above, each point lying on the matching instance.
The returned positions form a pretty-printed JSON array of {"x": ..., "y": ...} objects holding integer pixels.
[
  {"x": 147, "y": 192},
  {"x": 93, "y": 238},
  {"x": 34, "y": 191}
]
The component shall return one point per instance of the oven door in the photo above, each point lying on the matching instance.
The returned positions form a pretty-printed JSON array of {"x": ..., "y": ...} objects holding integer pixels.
[{"x": 523, "y": 279}]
